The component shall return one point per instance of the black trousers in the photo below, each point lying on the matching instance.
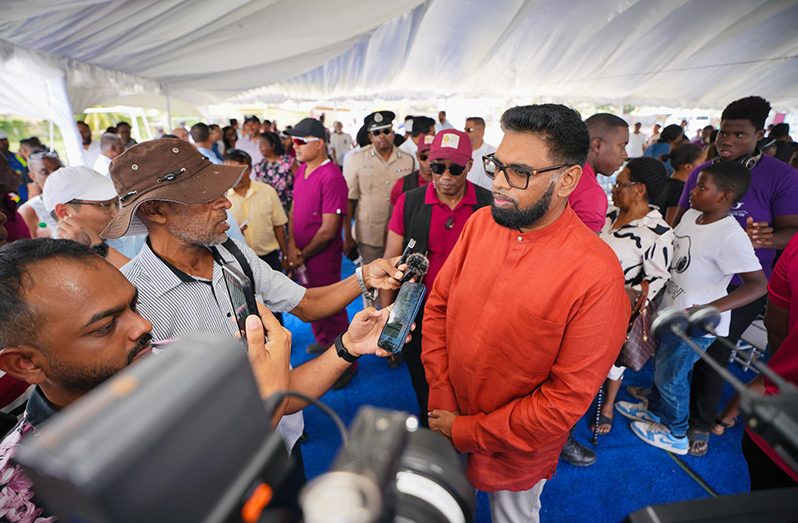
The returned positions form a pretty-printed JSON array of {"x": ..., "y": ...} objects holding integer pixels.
[
  {"x": 286, "y": 497},
  {"x": 273, "y": 260},
  {"x": 707, "y": 385},
  {"x": 764, "y": 473},
  {"x": 412, "y": 356}
]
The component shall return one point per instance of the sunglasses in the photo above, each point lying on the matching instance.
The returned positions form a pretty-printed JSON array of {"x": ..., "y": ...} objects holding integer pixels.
[
  {"x": 381, "y": 131},
  {"x": 423, "y": 156},
  {"x": 440, "y": 168},
  {"x": 305, "y": 141}
]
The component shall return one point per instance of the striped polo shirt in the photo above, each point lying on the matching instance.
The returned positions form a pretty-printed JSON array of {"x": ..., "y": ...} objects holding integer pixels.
[{"x": 177, "y": 304}]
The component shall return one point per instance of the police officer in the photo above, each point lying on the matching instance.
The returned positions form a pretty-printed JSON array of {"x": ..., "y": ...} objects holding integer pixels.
[{"x": 370, "y": 175}]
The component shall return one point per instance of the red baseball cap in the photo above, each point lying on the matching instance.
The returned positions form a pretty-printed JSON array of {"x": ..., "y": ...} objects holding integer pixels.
[
  {"x": 451, "y": 144},
  {"x": 425, "y": 143}
]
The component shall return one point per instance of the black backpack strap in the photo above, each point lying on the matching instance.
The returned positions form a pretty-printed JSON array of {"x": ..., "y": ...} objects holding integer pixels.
[
  {"x": 410, "y": 182},
  {"x": 417, "y": 218},
  {"x": 231, "y": 246}
]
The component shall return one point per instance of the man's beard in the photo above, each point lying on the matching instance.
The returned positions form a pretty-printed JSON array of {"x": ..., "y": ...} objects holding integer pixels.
[
  {"x": 517, "y": 218},
  {"x": 193, "y": 233},
  {"x": 85, "y": 380}
]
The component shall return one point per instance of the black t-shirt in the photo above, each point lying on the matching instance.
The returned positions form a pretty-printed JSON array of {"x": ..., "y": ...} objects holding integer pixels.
[{"x": 670, "y": 195}]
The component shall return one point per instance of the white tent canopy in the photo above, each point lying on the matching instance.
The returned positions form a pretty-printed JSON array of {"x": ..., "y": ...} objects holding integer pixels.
[{"x": 65, "y": 56}]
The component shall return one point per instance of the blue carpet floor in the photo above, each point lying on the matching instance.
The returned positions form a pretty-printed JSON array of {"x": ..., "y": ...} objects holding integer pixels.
[{"x": 628, "y": 475}]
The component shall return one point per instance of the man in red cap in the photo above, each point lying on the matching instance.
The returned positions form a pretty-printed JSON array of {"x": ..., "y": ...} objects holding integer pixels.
[
  {"x": 417, "y": 178},
  {"x": 434, "y": 215}
]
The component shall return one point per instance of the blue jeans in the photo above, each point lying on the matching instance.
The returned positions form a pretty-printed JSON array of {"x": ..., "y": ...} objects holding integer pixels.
[{"x": 670, "y": 395}]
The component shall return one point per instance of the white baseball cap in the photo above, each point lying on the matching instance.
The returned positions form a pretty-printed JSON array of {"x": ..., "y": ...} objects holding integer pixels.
[
  {"x": 3, "y": 135},
  {"x": 76, "y": 183}
]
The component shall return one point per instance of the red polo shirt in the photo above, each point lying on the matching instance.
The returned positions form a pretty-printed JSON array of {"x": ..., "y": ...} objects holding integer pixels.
[
  {"x": 396, "y": 190},
  {"x": 441, "y": 238},
  {"x": 520, "y": 330}
]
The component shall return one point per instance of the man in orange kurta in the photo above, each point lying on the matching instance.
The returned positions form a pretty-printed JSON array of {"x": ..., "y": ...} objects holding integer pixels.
[{"x": 526, "y": 317}]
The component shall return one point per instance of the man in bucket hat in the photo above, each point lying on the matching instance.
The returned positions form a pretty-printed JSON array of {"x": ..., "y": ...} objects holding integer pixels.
[{"x": 172, "y": 192}]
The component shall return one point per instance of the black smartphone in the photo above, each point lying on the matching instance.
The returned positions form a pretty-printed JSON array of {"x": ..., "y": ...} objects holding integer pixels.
[
  {"x": 408, "y": 301},
  {"x": 242, "y": 296}
]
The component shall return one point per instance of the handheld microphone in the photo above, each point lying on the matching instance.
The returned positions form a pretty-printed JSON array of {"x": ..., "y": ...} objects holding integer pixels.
[
  {"x": 417, "y": 265},
  {"x": 406, "y": 306}
]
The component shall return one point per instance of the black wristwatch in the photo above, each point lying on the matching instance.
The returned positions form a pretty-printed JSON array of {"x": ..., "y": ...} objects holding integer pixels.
[
  {"x": 341, "y": 350},
  {"x": 101, "y": 249}
]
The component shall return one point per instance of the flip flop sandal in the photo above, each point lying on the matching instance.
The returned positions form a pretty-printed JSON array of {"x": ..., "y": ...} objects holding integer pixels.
[
  {"x": 699, "y": 443},
  {"x": 604, "y": 420},
  {"x": 721, "y": 426}
]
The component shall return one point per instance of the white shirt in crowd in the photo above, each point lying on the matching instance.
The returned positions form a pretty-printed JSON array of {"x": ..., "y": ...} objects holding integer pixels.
[
  {"x": 102, "y": 165},
  {"x": 636, "y": 145},
  {"x": 341, "y": 143},
  {"x": 252, "y": 147},
  {"x": 705, "y": 258},
  {"x": 477, "y": 174},
  {"x": 441, "y": 126},
  {"x": 90, "y": 155},
  {"x": 410, "y": 147}
]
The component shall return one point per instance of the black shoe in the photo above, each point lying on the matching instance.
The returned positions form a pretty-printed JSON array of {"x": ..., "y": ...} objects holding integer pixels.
[
  {"x": 345, "y": 378},
  {"x": 576, "y": 454}
]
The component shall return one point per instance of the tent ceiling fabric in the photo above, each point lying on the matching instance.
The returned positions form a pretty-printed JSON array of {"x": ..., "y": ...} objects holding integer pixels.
[
  {"x": 677, "y": 53},
  {"x": 203, "y": 45}
]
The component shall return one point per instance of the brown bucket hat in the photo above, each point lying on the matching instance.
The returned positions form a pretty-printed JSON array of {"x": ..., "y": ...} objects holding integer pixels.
[{"x": 170, "y": 170}]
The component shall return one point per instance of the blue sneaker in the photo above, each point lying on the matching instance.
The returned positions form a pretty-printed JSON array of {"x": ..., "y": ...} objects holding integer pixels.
[
  {"x": 661, "y": 437},
  {"x": 636, "y": 411}
]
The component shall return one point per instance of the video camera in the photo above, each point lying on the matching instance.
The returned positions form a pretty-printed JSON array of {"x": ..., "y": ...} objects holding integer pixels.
[{"x": 185, "y": 436}]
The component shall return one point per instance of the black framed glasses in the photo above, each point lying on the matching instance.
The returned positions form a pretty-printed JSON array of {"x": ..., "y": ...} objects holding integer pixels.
[
  {"x": 517, "y": 176},
  {"x": 381, "y": 131},
  {"x": 108, "y": 207},
  {"x": 440, "y": 168}
]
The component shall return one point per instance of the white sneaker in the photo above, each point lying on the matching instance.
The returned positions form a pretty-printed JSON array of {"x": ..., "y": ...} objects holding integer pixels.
[
  {"x": 636, "y": 411},
  {"x": 660, "y": 436}
]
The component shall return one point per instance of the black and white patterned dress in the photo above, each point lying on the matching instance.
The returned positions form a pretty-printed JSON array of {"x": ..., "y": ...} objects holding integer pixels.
[{"x": 645, "y": 249}]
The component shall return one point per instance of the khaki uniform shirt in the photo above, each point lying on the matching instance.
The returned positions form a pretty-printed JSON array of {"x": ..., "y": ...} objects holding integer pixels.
[{"x": 370, "y": 179}]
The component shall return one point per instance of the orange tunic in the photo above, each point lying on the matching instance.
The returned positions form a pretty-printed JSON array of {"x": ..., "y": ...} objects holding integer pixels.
[{"x": 520, "y": 330}]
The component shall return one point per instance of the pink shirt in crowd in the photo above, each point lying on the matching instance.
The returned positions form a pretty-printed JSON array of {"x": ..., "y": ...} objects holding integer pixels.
[{"x": 588, "y": 200}]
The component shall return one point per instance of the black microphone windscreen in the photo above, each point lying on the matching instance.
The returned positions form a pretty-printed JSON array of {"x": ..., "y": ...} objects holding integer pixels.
[{"x": 418, "y": 264}]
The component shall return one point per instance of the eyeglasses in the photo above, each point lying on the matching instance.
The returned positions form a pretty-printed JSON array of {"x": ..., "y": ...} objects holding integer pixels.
[
  {"x": 517, "y": 176},
  {"x": 440, "y": 168},
  {"x": 617, "y": 186},
  {"x": 470, "y": 129},
  {"x": 107, "y": 207},
  {"x": 305, "y": 141},
  {"x": 378, "y": 132},
  {"x": 423, "y": 156}
]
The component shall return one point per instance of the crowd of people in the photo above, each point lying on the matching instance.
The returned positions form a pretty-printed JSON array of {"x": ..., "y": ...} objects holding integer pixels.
[{"x": 532, "y": 282}]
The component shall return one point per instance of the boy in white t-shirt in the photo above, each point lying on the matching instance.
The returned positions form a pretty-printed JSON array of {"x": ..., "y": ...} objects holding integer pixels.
[{"x": 710, "y": 247}]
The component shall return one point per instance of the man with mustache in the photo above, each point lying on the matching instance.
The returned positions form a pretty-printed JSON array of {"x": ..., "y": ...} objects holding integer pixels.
[
  {"x": 525, "y": 318},
  {"x": 170, "y": 191},
  {"x": 70, "y": 322}
]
